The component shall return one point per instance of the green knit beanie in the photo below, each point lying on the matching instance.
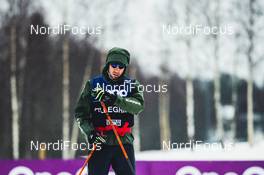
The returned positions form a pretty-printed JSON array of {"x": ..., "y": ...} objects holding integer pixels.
[{"x": 117, "y": 54}]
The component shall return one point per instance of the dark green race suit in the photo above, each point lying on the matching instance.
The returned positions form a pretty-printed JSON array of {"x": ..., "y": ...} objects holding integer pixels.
[{"x": 133, "y": 104}]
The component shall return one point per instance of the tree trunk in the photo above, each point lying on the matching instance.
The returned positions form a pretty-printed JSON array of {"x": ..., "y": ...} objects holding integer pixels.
[
  {"x": 250, "y": 113},
  {"x": 250, "y": 105},
  {"x": 14, "y": 97},
  {"x": 190, "y": 108},
  {"x": 189, "y": 84},
  {"x": 164, "y": 115},
  {"x": 217, "y": 85},
  {"x": 217, "y": 98},
  {"x": 234, "y": 99},
  {"x": 66, "y": 97}
]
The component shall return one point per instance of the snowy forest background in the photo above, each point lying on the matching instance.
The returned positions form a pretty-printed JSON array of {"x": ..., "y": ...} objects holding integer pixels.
[{"x": 215, "y": 82}]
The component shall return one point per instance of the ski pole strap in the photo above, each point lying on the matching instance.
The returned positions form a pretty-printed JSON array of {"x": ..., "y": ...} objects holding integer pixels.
[{"x": 120, "y": 130}]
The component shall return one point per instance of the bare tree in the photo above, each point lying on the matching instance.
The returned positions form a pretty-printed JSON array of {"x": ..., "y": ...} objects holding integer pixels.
[
  {"x": 164, "y": 99},
  {"x": 211, "y": 12},
  {"x": 250, "y": 31},
  {"x": 187, "y": 40},
  {"x": 189, "y": 79},
  {"x": 14, "y": 96},
  {"x": 168, "y": 14},
  {"x": 217, "y": 85},
  {"x": 65, "y": 87},
  {"x": 13, "y": 80},
  {"x": 65, "y": 95}
]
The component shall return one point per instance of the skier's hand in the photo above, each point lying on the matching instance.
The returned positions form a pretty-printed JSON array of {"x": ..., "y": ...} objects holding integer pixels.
[
  {"x": 99, "y": 94},
  {"x": 95, "y": 138}
]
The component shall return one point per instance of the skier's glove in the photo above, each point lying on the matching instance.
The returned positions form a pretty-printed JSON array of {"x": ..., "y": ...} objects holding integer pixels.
[
  {"x": 99, "y": 94},
  {"x": 95, "y": 138}
]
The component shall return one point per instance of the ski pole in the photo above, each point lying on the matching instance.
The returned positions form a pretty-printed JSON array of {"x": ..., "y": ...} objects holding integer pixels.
[
  {"x": 87, "y": 159},
  {"x": 117, "y": 137}
]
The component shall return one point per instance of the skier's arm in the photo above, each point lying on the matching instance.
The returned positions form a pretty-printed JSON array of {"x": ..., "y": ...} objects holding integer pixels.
[
  {"x": 82, "y": 111},
  {"x": 133, "y": 104}
]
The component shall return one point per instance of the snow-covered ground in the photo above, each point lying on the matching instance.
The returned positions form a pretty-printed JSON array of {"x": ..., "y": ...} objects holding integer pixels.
[{"x": 237, "y": 151}]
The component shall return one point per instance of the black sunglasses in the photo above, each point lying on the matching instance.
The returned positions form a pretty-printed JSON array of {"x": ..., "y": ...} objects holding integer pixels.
[{"x": 116, "y": 65}]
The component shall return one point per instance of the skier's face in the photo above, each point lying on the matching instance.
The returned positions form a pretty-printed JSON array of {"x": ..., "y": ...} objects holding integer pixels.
[{"x": 115, "y": 70}]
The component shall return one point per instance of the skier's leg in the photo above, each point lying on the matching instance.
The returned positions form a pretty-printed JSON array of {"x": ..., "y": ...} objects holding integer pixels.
[
  {"x": 99, "y": 163},
  {"x": 119, "y": 163}
]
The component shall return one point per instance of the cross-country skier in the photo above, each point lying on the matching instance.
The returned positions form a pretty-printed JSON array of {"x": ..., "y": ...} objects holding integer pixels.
[{"x": 123, "y": 99}]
